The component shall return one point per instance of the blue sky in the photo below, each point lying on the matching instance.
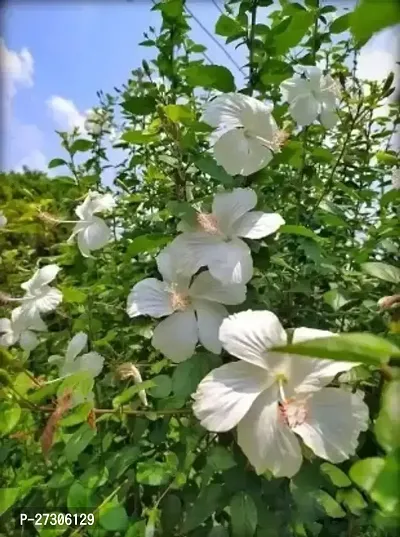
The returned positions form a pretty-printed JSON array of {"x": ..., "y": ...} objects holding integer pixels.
[{"x": 57, "y": 55}]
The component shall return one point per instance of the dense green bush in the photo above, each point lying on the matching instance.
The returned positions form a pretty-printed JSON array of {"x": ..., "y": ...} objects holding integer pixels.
[{"x": 76, "y": 435}]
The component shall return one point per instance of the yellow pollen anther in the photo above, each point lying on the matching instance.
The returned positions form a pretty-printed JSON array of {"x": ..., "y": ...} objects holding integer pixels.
[
  {"x": 179, "y": 301},
  {"x": 208, "y": 222}
]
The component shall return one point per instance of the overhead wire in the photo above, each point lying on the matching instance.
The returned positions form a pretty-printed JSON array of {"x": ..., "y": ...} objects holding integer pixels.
[{"x": 212, "y": 37}]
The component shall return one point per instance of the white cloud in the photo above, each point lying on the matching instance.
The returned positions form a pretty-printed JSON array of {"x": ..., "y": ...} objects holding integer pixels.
[
  {"x": 35, "y": 160},
  {"x": 378, "y": 57},
  {"x": 65, "y": 114},
  {"x": 16, "y": 69}
]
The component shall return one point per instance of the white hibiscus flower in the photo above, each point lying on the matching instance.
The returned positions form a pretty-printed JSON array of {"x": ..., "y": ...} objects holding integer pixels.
[
  {"x": 74, "y": 361},
  {"x": 91, "y": 231},
  {"x": 247, "y": 136},
  {"x": 272, "y": 397},
  {"x": 216, "y": 241},
  {"x": 194, "y": 311},
  {"x": 396, "y": 179},
  {"x": 96, "y": 121},
  {"x": 20, "y": 329},
  {"x": 312, "y": 96},
  {"x": 3, "y": 220},
  {"x": 39, "y": 296}
]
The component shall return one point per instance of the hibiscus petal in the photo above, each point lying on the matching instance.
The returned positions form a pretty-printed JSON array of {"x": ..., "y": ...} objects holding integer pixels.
[
  {"x": 256, "y": 224},
  {"x": 231, "y": 262},
  {"x": 335, "y": 419},
  {"x": 42, "y": 277},
  {"x": 28, "y": 340},
  {"x": 314, "y": 75},
  {"x": 249, "y": 156},
  {"x": 197, "y": 249},
  {"x": 230, "y": 206},
  {"x": 5, "y": 325},
  {"x": 206, "y": 287},
  {"x": 294, "y": 87},
  {"x": 310, "y": 374},
  {"x": 209, "y": 319},
  {"x": 8, "y": 339},
  {"x": 169, "y": 266},
  {"x": 176, "y": 336},
  {"x": 149, "y": 297},
  {"x": 249, "y": 334},
  {"x": 95, "y": 235},
  {"x": 76, "y": 346},
  {"x": 304, "y": 110},
  {"x": 224, "y": 110},
  {"x": 225, "y": 395},
  {"x": 328, "y": 117},
  {"x": 102, "y": 202},
  {"x": 92, "y": 362},
  {"x": 47, "y": 301},
  {"x": 266, "y": 440}
]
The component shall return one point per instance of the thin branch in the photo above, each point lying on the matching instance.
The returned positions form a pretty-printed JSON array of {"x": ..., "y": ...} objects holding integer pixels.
[{"x": 101, "y": 411}]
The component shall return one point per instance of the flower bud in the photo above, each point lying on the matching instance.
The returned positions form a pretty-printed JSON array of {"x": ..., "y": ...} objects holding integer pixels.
[{"x": 129, "y": 370}]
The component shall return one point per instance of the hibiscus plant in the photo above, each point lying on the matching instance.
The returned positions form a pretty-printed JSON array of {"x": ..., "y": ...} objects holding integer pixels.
[{"x": 207, "y": 344}]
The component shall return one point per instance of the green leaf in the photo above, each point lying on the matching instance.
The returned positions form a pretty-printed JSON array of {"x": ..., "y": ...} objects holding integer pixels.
[
  {"x": 154, "y": 473},
  {"x": 188, "y": 374},
  {"x": 79, "y": 442},
  {"x": 294, "y": 31},
  {"x": 138, "y": 137},
  {"x": 243, "y": 515},
  {"x": 7, "y": 498},
  {"x": 218, "y": 531},
  {"x": 383, "y": 271},
  {"x": 210, "y": 77},
  {"x": 162, "y": 386},
  {"x": 130, "y": 392},
  {"x": 81, "y": 383},
  {"x": 10, "y": 414},
  {"x": 113, "y": 517},
  {"x": 341, "y": 24},
  {"x": 72, "y": 295},
  {"x": 370, "y": 17},
  {"x": 334, "y": 299},
  {"x": 275, "y": 72},
  {"x": 365, "y": 472},
  {"x": 78, "y": 415},
  {"x": 171, "y": 512},
  {"x": 356, "y": 347},
  {"x": 183, "y": 210},
  {"x": 203, "y": 507},
  {"x": 387, "y": 425},
  {"x": 57, "y": 162},
  {"x": 352, "y": 499},
  {"x": 140, "y": 106},
  {"x": 380, "y": 478},
  {"x": 80, "y": 145},
  {"x": 323, "y": 155},
  {"x": 179, "y": 113},
  {"x": 328, "y": 504},
  {"x": 147, "y": 243},
  {"x": 207, "y": 164},
  {"x": 220, "y": 459},
  {"x": 335, "y": 474},
  {"x": 78, "y": 499},
  {"x": 61, "y": 479},
  {"x": 226, "y": 26},
  {"x": 299, "y": 230},
  {"x": 387, "y": 158}
]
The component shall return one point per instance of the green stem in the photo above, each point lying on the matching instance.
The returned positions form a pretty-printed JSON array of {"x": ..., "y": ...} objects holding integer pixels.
[{"x": 250, "y": 44}]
